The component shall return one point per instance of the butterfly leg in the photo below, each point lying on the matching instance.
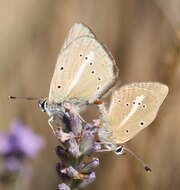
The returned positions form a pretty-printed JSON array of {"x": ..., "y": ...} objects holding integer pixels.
[
  {"x": 69, "y": 107},
  {"x": 108, "y": 147},
  {"x": 50, "y": 121},
  {"x": 62, "y": 136},
  {"x": 104, "y": 150},
  {"x": 102, "y": 109},
  {"x": 81, "y": 118}
]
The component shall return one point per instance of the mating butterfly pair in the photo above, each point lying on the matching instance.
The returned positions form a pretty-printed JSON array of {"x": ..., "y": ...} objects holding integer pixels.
[{"x": 85, "y": 70}]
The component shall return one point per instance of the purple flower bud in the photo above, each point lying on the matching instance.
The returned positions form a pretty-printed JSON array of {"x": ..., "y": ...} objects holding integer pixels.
[
  {"x": 85, "y": 168},
  {"x": 87, "y": 141},
  {"x": 63, "y": 186},
  {"x": 62, "y": 154},
  {"x": 89, "y": 179},
  {"x": 73, "y": 147},
  {"x": 61, "y": 173},
  {"x": 59, "y": 167},
  {"x": 71, "y": 172},
  {"x": 60, "y": 151},
  {"x": 94, "y": 148},
  {"x": 63, "y": 136},
  {"x": 75, "y": 124}
]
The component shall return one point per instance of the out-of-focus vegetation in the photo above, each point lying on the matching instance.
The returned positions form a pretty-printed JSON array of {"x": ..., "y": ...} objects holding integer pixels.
[{"x": 144, "y": 38}]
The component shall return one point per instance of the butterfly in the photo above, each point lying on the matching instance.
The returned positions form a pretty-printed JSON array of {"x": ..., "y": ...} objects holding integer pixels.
[
  {"x": 85, "y": 70},
  {"x": 132, "y": 108}
]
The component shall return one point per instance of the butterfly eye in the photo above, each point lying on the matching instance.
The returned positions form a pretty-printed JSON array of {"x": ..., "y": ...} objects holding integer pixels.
[
  {"x": 61, "y": 68},
  {"x": 99, "y": 78},
  {"x": 80, "y": 55},
  {"x": 90, "y": 63},
  {"x": 134, "y": 102},
  {"x": 139, "y": 103},
  {"x": 58, "y": 86},
  {"x": 86, "y": 58},
  {"x": 92, "y": 72},
  {"x": 119, "y": 150},
  {"x": 98, "y": 88}
]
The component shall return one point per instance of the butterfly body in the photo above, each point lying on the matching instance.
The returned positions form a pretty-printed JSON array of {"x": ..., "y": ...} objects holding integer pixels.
[
  {"x": 54, "y": 109},
  {"x": 132, "y": 108}
]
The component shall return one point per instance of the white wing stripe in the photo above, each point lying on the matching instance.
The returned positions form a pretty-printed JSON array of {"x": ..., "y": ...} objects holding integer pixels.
[
  {"x": 133, "y": 110},
  {"x": 80, "y": 71}
]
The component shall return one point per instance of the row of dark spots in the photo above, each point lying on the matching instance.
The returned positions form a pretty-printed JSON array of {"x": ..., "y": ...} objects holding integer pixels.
[
  {"x": 93, "y": 72},
  {"x": 141, "y": 124},
  {"x": 139, "y": 103},
  {"x": 86, "y": 58},
  {"x": 61, "y": 69}
]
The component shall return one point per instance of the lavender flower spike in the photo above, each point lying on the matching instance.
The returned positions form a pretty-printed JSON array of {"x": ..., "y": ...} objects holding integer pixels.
[
  {"x": 75, "y": 173},
  {"x": 18, "y": 146},
  {"x": 20, "y": 140}
]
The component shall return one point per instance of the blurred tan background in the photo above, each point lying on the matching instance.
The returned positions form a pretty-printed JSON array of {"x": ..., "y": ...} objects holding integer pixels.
[{"x": 144, "y": 38}]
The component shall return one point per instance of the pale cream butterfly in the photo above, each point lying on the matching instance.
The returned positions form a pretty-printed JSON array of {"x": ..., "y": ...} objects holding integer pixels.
[
  {"x": 85, "y": 70},
  {"x": 132, "y": 108}
]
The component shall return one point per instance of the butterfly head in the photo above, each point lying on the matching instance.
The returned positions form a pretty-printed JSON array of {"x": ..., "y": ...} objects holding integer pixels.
[
  {"x": 42, "y": 103},
  {"x": 119, "y": 150}
]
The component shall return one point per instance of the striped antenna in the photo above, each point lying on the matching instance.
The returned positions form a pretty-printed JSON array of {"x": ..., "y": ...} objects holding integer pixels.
[
  {"x": 25, "y": 98},
  {"x": 147, "y": 168}
]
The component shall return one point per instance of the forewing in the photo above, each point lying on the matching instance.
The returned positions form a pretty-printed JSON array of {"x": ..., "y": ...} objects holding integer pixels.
[
  {"x": 132, "y": 109},
  {"x": 84, "y": 71},
  {"x": 77, "y": 30}
]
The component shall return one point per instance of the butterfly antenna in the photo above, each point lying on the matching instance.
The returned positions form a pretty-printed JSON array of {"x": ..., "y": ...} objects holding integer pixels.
[
  {"x": 148, "y": 169},
  {"x": 25, "y": 98}
]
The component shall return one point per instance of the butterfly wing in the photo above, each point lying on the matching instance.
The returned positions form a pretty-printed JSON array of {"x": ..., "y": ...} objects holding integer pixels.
[
  {"x": 133, "y": 108},
  {"x": 84, "y": 71},
  {"x": 76, "y": 31},
  {"x": 159, "y": 89}
]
